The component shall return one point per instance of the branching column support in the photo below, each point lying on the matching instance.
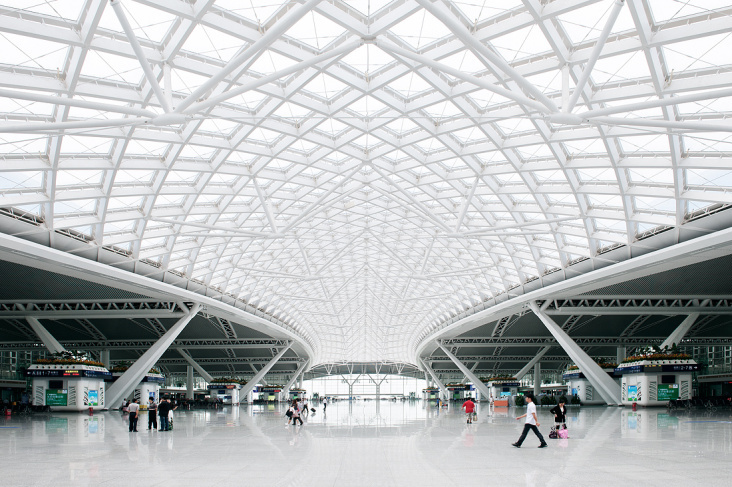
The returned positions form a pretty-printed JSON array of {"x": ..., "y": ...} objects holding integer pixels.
[
  {"x": 607, "y": 387},
  {"x": 292, "y": 380},
  {"x": 680, "y": 331},
  {"x": 201, "y": 371},
  {"x": 437, "y": 381},
  {"x": 48, "y": 340},
  {"x": 484, "y": 391},
  {"x": 124, "y": 385},
  {"x": 263, "y": 371},
  {"x": 531, "y": 363}
]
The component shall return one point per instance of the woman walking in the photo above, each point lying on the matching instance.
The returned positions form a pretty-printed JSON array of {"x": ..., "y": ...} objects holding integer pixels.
[{"x": 295, "y": 413}]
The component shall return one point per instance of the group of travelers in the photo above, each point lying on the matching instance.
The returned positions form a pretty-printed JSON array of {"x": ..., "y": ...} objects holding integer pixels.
[
  {"x": 299, "y": 409},
  {"x": 532, "y": 422},
  {"x": 154, "y": 410}
]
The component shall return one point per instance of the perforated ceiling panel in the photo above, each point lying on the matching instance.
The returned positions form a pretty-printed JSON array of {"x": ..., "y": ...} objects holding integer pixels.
[{"x": 24, "y": 283}]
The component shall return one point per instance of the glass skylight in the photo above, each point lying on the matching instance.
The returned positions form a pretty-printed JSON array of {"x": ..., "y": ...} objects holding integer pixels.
[{"x": 364, "y": 170}]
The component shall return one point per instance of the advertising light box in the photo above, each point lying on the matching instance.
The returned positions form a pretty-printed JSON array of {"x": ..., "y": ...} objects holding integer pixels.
[
  {"x": 57, "y": 397},
  {"x": 668, "y": 392}
]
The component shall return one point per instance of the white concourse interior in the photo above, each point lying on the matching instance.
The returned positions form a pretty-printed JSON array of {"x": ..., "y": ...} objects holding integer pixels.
[{"x": 279, "y": 191}]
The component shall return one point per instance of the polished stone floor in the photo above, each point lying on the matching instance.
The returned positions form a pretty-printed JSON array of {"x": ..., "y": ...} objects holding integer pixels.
[{"x": 367, "y": 443}]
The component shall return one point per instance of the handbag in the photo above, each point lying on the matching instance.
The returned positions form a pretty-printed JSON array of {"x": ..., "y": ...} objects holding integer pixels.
[
  {"x": 563, "y": 433},
  {"x": 553, "y": 435}
]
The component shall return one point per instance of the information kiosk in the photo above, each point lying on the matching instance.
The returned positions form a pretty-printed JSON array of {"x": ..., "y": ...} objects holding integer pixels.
[
  {"x": 431, "y": 393},
  {"x": 578, "y": 385},
  {"x": 296, "y": 393},
  {"x": 226, "y": 392},
  {"x": 503, "y": 390},
  {"x": 655, "y": 382},
  {"x": 68, "y": 387}
]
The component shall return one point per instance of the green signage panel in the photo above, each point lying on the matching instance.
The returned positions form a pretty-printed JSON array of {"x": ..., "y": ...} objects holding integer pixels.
[
  {"x": 668, "y": 392},
  {"x": 57, "y": 397}
]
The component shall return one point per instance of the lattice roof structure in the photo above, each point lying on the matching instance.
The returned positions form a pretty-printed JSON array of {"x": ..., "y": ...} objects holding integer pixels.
[{"x": 364, "y": 171}]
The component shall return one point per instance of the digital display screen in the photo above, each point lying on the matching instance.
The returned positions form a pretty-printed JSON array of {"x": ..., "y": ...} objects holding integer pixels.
[
  {"x": 632, "y": 393},
  {"x": 503, "y": 394},
  {"x": 72, "y": 373}
]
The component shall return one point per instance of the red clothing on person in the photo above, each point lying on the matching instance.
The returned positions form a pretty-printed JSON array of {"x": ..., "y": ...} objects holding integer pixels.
[{"x": 469, "y": 406}]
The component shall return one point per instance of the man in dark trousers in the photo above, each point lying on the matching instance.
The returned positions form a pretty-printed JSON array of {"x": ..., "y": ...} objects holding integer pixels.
[
  {"x": 152, "y": 413},
  {"x": 531, "y": 423},
  {"x": 134, "y": 410},
  {"x": 163, "y": 410}
]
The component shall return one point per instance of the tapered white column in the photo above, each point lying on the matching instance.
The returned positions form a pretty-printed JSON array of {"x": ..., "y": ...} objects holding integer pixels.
[
  {"x": 123, "y": 386},
  {"x": 525, "y": 370},
  {"x": 189, "y": 382},
  {"x": 263, "y": 371},
  {"x": 443, "y": 389},
  {"x": 680, "y": 331},
  {"x": 605, "y": 386},
  {"x": 622, "y": 352},
  {"x": 482, "y": 388},
  {"x": 105, "y": 356}
]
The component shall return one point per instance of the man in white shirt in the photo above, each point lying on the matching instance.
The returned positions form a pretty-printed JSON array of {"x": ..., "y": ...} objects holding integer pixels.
[
  {"x": 134, "y": 410},
  {"x": 531, "y": 423}
]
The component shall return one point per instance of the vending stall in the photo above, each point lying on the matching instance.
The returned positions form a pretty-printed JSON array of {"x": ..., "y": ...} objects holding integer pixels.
[
  {"x": 579, "y": 386},
  {"x": 655, "y": 382},
  {"x": 63, "y": 387}
]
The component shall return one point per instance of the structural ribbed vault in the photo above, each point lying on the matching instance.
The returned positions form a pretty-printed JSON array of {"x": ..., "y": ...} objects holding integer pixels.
[{"x": 364, "y": 170}]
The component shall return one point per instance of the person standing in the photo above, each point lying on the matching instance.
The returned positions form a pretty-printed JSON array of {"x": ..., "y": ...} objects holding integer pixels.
[
  {"x": 305, "y": 409},
  {"x": 163, "y": 410},
  {"x": 469, "y": 407},
  {"x": 134, "y": 409},
  {"x": 560, "y": 415},
  {"x": 532, "y": 423},
  {"x": 325, "y": 403},
  {"x": 152, "y": 413}
]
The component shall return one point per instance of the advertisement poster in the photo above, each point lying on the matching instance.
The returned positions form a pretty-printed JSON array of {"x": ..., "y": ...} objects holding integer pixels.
[
  {"x": 57, "y": 397},
  {"x": 632, "y": 393},
  {"x": 93, "y": 398},
  {"x": 668, "y": 392}
]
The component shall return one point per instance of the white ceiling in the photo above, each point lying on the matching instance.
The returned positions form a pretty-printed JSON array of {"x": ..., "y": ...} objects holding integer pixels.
[{"x": 364, "y": 170}]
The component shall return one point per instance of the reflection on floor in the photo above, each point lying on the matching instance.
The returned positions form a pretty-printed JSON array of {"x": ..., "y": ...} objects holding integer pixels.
[{"x": 368, "y": 443}]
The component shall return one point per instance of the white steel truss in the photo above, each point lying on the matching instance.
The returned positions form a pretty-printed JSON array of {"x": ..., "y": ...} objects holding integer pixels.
[{"x": 363, "y": 172}]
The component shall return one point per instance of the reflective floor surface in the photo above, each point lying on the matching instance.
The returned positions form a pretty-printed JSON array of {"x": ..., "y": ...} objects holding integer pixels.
[{"x": 368, "y": 443}]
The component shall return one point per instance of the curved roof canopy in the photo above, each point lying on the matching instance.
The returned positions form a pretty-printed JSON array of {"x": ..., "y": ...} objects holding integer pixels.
[{"x": 364, "y": 171}]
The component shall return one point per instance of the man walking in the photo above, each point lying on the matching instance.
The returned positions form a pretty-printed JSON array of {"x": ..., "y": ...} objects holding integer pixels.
[
  {"x": 134, "y": 409},
  {"x": 325, "y": 404},
  {"x": 152, "y": 413},
  {"x": 531, "y": 423},
  {"x": 469, "y": 407}
]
